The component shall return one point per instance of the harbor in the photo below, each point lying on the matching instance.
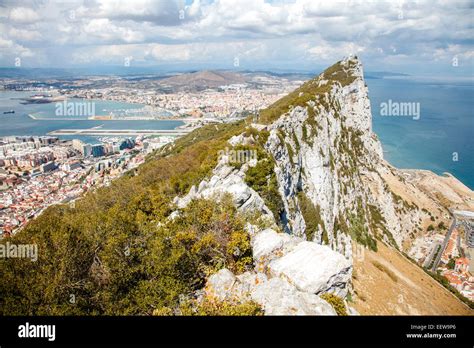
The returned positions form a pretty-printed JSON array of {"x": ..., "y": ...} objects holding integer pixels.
[{"x": 122, "y": 132}]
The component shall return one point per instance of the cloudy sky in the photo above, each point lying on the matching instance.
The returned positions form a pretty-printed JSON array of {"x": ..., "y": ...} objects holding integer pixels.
[{"x": 416, "y": 37}]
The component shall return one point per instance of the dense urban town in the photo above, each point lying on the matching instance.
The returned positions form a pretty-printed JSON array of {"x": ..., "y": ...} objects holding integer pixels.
[
  {"x": 450, "y": 253},
  {"x": 36, "y": 172},
  {"x": 223, "y": 100}
]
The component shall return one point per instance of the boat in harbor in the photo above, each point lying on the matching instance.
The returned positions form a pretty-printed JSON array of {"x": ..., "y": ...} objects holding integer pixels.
[{"x": 9, "y": 112}]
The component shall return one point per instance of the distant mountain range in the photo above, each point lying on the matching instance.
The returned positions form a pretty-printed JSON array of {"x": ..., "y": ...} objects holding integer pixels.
[
  {"x": 177, "y": 78},
  {"x": 203, "y": 79}
]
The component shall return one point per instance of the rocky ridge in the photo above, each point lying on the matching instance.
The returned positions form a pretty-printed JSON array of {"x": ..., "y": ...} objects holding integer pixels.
[
  {"x": 286, "y": 266},
  {"x": 335, "y": 189}
]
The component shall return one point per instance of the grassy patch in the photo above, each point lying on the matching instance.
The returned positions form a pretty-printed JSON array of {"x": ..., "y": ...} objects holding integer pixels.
[
  {"x": 312, "y": 217},
  {"x": 262, "y": 178},
  {"x": 385, "y": 270},
  {"x": 336, "y": 302}
]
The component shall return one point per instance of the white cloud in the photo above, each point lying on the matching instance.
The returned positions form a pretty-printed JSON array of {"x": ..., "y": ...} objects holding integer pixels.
[
  {"x": 105, "y": 30},
  {"x": 23, "y": 15},
  {"x": 299, "y": 32},
  {"x": 14, "y": 50},
  {"x": 24, "y": 35},
  {"x": 160, "y": 12},
  {"x": 172, "y": 52}
]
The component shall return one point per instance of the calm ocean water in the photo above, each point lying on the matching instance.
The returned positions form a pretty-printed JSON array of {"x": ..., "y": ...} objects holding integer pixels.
[{"x": 446, "y": 124}]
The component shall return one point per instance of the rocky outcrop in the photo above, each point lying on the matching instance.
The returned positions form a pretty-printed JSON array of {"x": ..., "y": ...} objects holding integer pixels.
[
  {"x": 314, "y": 268},
  {"x": 335, "y": 188},
  {"x": 289, "y": 274},
  {"x": 309, "y": 266},
  {"x": 268, "y": 245},
  {"x": 325, "y": 148},
  {"x": 276, "y": 296},
  {"x": 227, "y": 179}
]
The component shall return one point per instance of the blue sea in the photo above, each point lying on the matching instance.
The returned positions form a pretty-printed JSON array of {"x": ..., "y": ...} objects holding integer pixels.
[{"x": 445, "y": 126}]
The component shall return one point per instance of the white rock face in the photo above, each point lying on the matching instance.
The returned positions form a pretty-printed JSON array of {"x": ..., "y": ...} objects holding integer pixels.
[
  {"x": 278, "y": 297},
  {"x": 227, "y": 179},
  {"x": 289, "y": 274},
  {"x": 339, "y": 167},
  {"x": 219, "y": 285},
  {"x": 314, "y": 268},
  {"x": 268, "y": 245},
  {"x": 241, "y": 140}
]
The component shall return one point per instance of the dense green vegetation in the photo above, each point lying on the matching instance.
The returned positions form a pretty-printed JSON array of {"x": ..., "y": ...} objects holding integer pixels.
[
  {"x": 121, "y": 261},
  {"x": 312, "y": 218},
  {"x": 262, "y": 178}
]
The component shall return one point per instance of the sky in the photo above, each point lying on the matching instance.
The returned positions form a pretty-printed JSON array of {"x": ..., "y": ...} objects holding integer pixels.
[{"x": 415, "y": 37}]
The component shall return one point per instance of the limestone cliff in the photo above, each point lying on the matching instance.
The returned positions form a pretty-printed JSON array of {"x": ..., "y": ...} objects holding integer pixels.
[{"x": 334, "y": 186}]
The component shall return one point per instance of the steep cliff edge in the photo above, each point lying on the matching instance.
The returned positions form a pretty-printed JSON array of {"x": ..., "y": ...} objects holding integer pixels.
[
  {"x": 333, "y": 186},
  {"x": 326, "y": 153},
  {"x": 329, "y": 166}
]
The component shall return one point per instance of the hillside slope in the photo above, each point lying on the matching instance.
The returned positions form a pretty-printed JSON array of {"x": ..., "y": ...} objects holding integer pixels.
[
  {"x": 386, "y": 283},
  {"x": 232, "y": 218}
]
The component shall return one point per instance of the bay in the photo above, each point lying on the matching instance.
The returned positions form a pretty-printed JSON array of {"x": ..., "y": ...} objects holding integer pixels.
[{"x": 20, "y": 123}]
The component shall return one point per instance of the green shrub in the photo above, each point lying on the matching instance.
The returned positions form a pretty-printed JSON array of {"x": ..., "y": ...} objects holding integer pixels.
[
  {"x": 451, "y": 263},
  {"x": 262, "y": 178},
  {"x": 312, "y": 217},
  {"x": 336, "y": 302},
  {"x": 220, "y": 308},
  {"x": 359, "y": 232}
]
